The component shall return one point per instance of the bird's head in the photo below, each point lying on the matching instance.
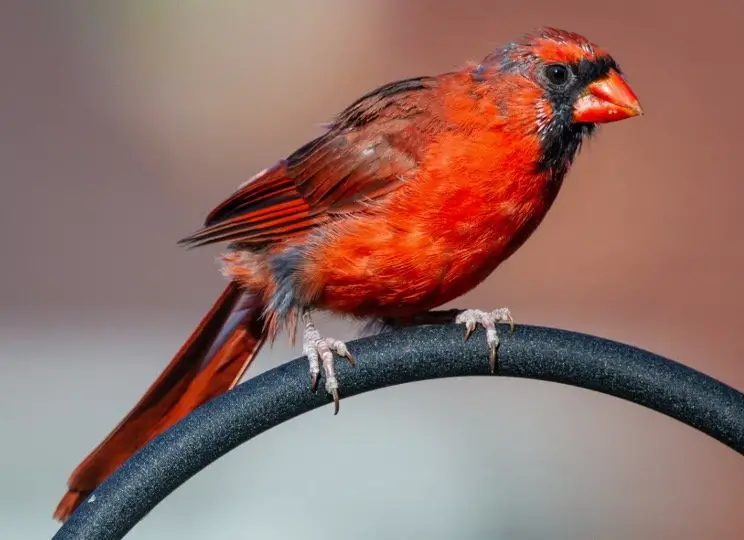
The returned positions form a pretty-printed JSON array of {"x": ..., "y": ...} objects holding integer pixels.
[{"x": 561, "y": 86}]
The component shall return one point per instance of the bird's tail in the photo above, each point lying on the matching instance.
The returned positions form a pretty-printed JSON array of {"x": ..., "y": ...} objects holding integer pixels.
[{"x": 211, "y": 362}]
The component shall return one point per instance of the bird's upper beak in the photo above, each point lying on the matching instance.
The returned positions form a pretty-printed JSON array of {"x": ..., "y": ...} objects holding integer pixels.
[{"x": 606, "y": 100}]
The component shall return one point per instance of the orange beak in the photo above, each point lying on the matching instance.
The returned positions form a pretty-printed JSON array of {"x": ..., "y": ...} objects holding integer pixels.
[{"x": 607, "y": 100}]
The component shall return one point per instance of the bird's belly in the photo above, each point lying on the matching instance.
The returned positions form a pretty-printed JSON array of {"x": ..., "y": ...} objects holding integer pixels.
[{"x": 386, "y": 268}]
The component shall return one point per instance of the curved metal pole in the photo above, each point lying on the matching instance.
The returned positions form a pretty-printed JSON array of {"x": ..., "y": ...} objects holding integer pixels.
[{"x": 398, "y": 357}]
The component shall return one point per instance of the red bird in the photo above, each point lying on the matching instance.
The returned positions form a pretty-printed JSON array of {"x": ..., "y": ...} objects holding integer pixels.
[{"x": 414, "y": 195}]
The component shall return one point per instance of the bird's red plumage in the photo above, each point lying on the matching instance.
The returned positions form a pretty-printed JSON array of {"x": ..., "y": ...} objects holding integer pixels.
[{"x": 417, "y": 192}]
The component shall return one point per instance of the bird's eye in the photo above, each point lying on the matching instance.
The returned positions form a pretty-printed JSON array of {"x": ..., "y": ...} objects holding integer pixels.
[{"x": 557, "y": 74}]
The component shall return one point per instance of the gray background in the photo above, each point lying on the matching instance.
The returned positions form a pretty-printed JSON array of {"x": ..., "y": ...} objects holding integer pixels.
[{"x": 123, "y": 123}]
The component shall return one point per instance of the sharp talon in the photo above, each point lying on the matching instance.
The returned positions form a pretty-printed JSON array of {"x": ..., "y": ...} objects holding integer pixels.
[
  {"x": 336, "y": 401},
  {"x": 492, "y": 361},
  {"x": 469, "y": 328},
  {"x": 319, "y": 351},
  {"x": 350, "y": 358},
  {"x": 488, "y": 320}
]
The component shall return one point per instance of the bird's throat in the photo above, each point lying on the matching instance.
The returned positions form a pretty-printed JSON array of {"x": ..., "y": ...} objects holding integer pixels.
[{"x": 560, "y": 141}]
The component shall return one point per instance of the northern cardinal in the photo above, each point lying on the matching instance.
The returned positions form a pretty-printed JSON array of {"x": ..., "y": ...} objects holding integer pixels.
[{"x": 413, "y": 196}]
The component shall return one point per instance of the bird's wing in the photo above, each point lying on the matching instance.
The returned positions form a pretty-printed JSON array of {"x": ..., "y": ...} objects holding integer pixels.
[{"x": 370, "y": 150}]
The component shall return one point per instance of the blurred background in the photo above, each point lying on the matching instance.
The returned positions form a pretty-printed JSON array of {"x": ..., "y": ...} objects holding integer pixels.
[{"x": 123, "y": 123}]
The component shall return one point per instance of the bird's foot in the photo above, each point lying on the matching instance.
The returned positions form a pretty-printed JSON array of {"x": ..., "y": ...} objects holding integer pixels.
[
  {"x": 488, "y": 320},
  {"x": 319, "y": 351}
]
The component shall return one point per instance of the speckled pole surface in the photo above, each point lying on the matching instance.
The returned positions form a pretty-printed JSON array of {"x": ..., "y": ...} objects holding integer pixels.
[{"x": 398, "y": 357}]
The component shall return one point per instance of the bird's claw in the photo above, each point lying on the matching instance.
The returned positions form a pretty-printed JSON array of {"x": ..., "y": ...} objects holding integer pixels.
[
  {"x": 336, "y": 401},
  {"x": 319, "y": 351},
  {"x": 488, "y": 320}
]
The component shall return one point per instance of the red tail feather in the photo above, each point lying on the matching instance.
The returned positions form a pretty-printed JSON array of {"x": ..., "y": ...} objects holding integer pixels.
[{"x": 211, "y": 362}]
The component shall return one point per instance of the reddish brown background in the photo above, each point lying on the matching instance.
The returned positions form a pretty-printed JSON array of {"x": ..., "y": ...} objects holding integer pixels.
[{"x": 121, "y": 124}]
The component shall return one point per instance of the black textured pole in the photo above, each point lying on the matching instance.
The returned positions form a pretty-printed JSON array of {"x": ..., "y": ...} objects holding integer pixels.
[{"x": 398, "y": 357}]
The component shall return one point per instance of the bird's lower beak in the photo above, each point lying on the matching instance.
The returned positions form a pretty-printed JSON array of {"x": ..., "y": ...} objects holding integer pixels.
[{"x": 606, "y": 100}]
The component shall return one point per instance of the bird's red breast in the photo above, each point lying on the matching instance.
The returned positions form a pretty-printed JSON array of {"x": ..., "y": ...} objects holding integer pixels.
[{"x": 448, "y": 227}]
